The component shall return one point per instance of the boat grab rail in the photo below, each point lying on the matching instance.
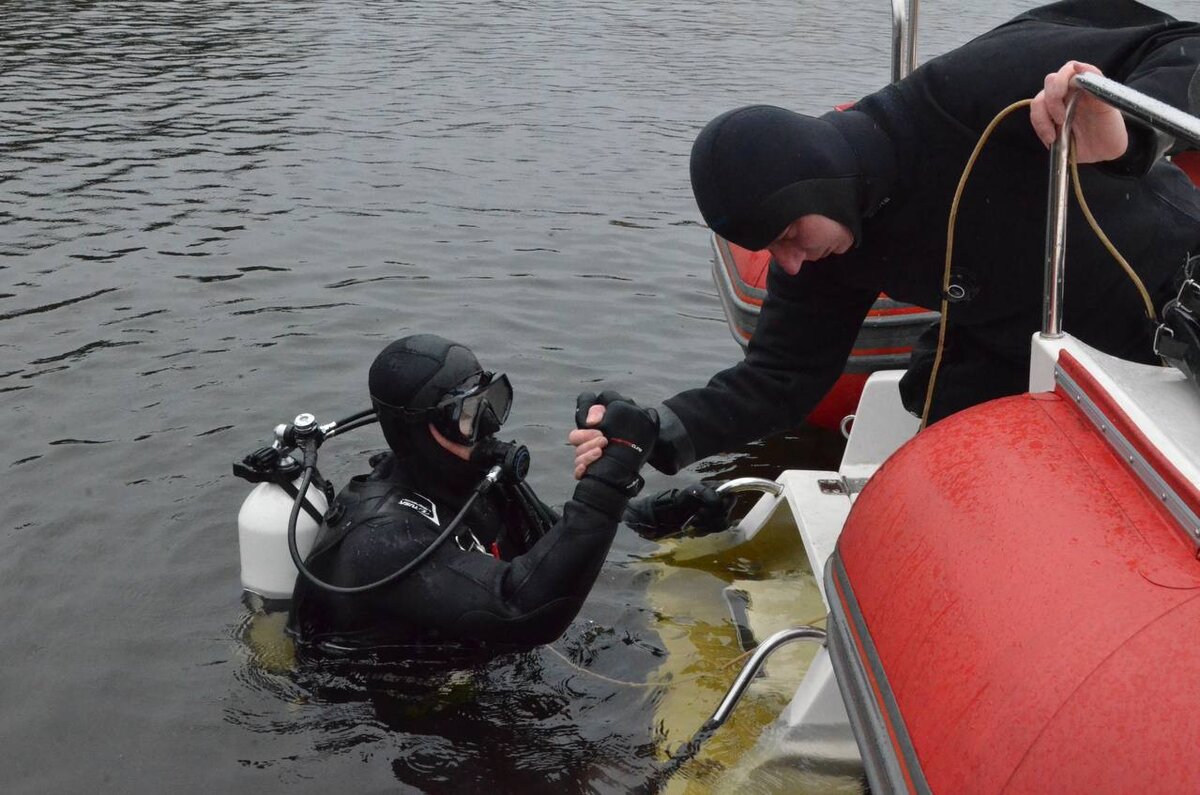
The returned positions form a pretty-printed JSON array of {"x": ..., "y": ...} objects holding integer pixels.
[
  {"x": 756, "y": 661},
  {"x": 1131, "y": 102},
  {"x": 742, "y": 485},
  {"x": 733, "y": 696},
  {"x": 739, "y": 486},
  {"x": 904, "y": 38}
]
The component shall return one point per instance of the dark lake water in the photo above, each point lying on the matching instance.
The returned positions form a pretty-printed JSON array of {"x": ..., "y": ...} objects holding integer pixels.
[{"x": 214, "y": 214}]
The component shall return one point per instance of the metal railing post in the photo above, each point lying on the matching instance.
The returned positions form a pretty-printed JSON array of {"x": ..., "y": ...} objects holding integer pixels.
[
  {"x": 1056, "y": 227},
  {"x": 904, "y": 38}
]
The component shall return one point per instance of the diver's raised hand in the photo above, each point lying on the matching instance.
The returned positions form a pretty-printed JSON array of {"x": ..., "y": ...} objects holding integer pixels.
[
  {"x": 588, "y": 441},
  {"x": 613, "y": 439},
  {"x": 1098, "y": 128}
]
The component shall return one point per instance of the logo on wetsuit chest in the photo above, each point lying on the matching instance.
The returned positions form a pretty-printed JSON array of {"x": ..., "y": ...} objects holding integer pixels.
[{"x": 422, "y": 505}]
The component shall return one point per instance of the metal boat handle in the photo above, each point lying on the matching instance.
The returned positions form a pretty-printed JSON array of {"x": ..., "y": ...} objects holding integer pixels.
[
  {"x": 1149, "y": 110},
  {"x": 904, "y": 38},
  {"x": 735, "y": 693},
  {"x": 738, "y": 486},
  {"x": 742, "y": 485}
]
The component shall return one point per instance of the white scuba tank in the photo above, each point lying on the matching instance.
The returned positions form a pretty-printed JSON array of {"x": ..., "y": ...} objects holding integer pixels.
[{"x": 267, "y": 567}]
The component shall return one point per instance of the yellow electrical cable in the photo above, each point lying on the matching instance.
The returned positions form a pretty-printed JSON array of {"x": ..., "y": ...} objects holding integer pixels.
[
  {"x": 1108, "y": 244},
  {"x": 962, "y": 183},
  {"x": 1087, "y": 213}
]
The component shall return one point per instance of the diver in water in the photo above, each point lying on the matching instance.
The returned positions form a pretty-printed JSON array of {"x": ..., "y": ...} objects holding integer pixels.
[{"x": 515, "y": 574}]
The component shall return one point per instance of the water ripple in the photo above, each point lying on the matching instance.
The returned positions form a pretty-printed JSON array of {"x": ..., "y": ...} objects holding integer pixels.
[
  {"x": 83, "y": 351},
  {"x": 56, "y": 305}
]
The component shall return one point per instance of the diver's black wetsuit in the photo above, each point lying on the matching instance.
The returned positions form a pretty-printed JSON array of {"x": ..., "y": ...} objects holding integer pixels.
[
  {"x": 457, "y": 600},
  {"x": 912, "y": 141}
]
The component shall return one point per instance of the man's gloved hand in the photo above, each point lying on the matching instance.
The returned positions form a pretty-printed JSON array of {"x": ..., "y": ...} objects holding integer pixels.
[
  {"x": 630, "y": 431},
  {"x": 663, "y": 515}
]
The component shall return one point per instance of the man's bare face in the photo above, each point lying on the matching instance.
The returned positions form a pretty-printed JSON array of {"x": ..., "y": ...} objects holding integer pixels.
[{"x": 808, "y": 239}]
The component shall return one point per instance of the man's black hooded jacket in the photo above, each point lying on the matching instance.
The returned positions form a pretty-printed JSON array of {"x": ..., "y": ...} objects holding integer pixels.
[{"x": 912, "y": 140}]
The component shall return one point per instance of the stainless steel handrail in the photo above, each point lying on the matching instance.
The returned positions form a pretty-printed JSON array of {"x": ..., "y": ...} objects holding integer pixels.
[
  {"x": 740, "y": 485},
  {"x": 1158, "y": 115},
  {"x": 1056, "y": 228},
  {"x": 732, "y": 696},
  {"x": 904, "y": 38},
  {"x": 750, "y": 670},
  {"x": 1147, "y": 109}
]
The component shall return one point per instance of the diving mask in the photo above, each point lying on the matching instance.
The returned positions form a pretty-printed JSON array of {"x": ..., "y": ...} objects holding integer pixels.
[{"x": 474, "y": 409}]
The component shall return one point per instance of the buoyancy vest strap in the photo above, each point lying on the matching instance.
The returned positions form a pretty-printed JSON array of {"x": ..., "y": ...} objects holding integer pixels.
[{"x": 390, "y": 497}]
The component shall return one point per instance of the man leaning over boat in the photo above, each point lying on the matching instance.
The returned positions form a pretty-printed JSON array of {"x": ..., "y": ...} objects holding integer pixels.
[{"x": 851, "y": 204}]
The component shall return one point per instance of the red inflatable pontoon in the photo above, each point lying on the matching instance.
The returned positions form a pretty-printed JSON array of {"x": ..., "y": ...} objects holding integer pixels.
[{"x": 1015, "y": 608}]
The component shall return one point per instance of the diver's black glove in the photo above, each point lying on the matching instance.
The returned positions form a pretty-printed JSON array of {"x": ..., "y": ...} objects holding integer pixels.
[
  {"x": 631, "y": 431},
  {"x": 665, "y": 514}
]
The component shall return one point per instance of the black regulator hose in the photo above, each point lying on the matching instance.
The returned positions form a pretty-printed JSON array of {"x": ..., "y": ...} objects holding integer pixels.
[
  {"x": 310, "y": 464},
  {"x": 546, "y": 517},
  {"x": 355, "y": 420},
  {"x": 533, "y": 525}
]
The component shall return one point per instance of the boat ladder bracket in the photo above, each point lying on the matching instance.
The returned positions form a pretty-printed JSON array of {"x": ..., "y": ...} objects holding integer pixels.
[{"x": 843, "y": 486}]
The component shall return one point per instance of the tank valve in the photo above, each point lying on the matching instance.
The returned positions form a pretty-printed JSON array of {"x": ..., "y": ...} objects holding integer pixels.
[
  {"x": 288, "y": 436},
  {"x": 304, "y": 424}
]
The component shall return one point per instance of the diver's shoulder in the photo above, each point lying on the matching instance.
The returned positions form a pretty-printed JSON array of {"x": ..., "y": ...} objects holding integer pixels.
[{"x": 374, "y": 499}]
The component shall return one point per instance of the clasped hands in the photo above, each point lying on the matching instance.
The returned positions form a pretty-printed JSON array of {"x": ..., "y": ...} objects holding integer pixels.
[{"x": 697, "y": 509}]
